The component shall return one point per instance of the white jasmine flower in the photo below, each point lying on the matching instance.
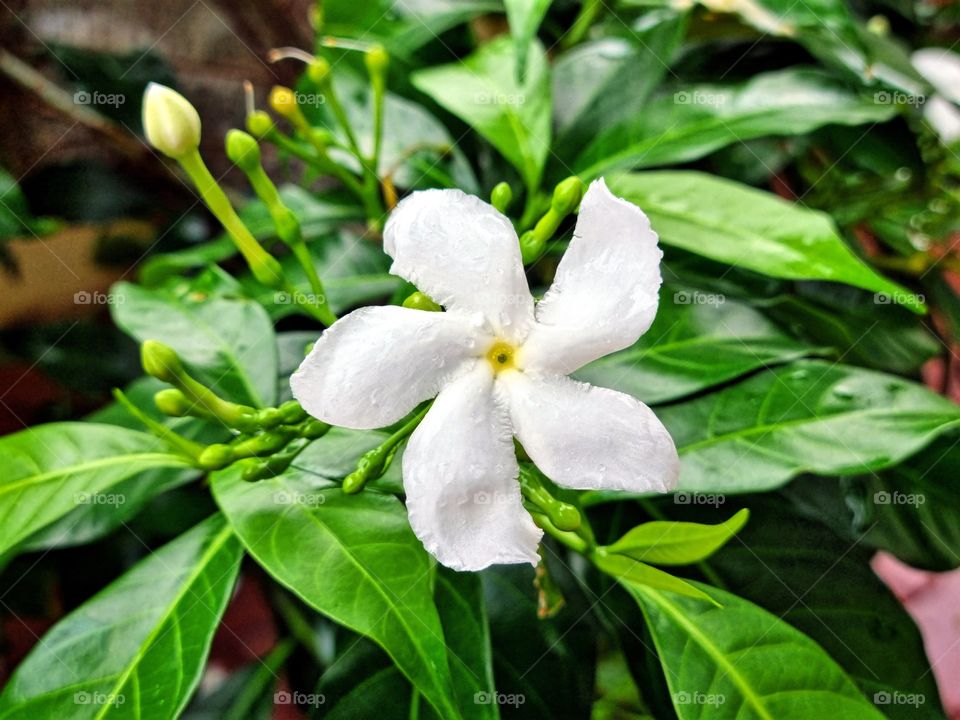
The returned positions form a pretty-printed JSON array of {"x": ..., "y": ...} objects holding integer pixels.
[
  {"x": 497, "y": 364},
  {"x": 941, "y": 68}
]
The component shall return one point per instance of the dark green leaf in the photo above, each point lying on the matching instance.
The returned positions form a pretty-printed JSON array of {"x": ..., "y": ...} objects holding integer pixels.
[
  {"x": 52, "y": 469},
  {"x": 693, "y": 120},
  {"x": 228, "y": 343},
  {"x": 353, "y": 558},
  {"x": 748, "y": 228},
  {"x": 483, "y": 91},
  {"x": 737, "y": 660},
  {"x": 697, "y": 340},
  {"x": 137, "y": 648},
  {"x": 809, "y": 416}
]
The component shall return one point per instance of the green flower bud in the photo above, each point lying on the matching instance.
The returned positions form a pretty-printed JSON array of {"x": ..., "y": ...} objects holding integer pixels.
[
  {"x": 292, "y": 412},
  {"x": 564, "y": 517},
  {"x": 376, "y": 59},
  {"x": 531, "y": 246},
  {"x": 215, "y": 457},
  {"x": 319, "y": 71},
  {"x": 315, "y": 429},
  {"x": 172, "y": 402},
  {"x": 243, "y": 150},
  {"x": 259, "y": 123},
  {"x": 160, "y": 361},
  {"x": 269, "y": 417},
  {"x": 170, "y": 122},
  {"x": 501, "y": 197},
  {"x": 420, "y": 301},
  {"x": 567, "y": 195}
]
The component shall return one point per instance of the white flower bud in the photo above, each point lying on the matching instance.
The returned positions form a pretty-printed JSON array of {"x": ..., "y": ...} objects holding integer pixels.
[{"x": 170, "y": 122}]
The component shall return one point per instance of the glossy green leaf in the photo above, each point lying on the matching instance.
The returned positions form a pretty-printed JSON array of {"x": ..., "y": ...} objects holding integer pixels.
[
  {"x": 524, "y": 17},
  {"x": 743, "y": 227},
  {"x": 823, "y": 585},
  {"x": 697, "y": 340},
  {"x": 691, "y": 121},
  {"x": 635, "y": 573},
  {"x": 50, "y": 470},
  {"x": 352, "y": 558},
  {"x": 137, "y": 648},
  {"x": 666, "y": 542},
  {"x": 228, "y": 342},
  {"x": 482, "y": 90},
  {"x": 598, "y": 84},
  {"x": 809, "y": 416},
  {"x": 463, "y": 613},
  {"x": 737, "y": 660}
]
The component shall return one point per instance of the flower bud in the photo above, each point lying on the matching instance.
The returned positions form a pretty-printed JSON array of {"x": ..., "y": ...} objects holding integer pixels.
[
  {"x": 567, "y": 195},
  {"x": 170, "y": 122},
  {"x": 243, "y": 150},
  {"x": 376, "y": 59},
  {"x": 215, "y": 457},
  {"x": 319, "y": 71},
  {"x": 160, "y": 361},
  {"x": 531, "y": 246},
  {"x": 501, "y": 197},
  {"x": 172, "y": 402},
  {"x": 420, "y": 301},
  {"x": 259, "y": 123},
  {"x": 292, "y": 412},
  {"x": 283, "y": 101}
]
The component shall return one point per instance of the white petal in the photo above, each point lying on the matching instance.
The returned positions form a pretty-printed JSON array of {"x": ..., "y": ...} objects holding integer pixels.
[
  {"x": 605, "y": 292},
  {"x": 944, "y": 118},
  {"x": 464, "y": 254},
  {"x": 460, "y": 476},
  {"x": 373, "y": 366},
  {"x": 941, "y": 68},
  {"x": 590, "y": 438}
]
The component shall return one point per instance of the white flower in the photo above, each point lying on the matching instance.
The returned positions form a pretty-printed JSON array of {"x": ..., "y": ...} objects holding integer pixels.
[
  {"x": 941, "y": 68},
  {"x": 170, "y": 123},
  {"x": 498, "y": 364}
]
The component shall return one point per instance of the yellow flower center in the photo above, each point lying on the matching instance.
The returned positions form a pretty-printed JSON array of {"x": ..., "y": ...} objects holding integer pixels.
[{"x": 501, "y": 356}]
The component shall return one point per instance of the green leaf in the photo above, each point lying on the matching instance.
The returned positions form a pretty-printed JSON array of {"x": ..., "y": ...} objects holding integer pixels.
[
  {"x": 697, "y": 340},
  {"x": 738, "y": 660},
  {"x": 50, "y": 470},
  {"x": 667, "y": 542},
  {"x": 599, "y": 84},
  {"x": 464, "y": 616},
  {"x": 482, "y": 90},
  {"x": 823, "y": 585},
  {"x": 635, "y": 573},
  {"x": 352, "y": 558},
  {"x": 229, "y": 343},
  {"x": 137, "y": 648},
  {"x": 691, "y": 121},
  {"x": 809, "y": 416},
  {"x": 524, "y": 17},
  {"x": 743, "y": 227}
]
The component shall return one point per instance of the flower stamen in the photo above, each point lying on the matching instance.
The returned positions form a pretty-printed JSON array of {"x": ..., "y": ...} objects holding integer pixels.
[{"x": 501, "y": 356}]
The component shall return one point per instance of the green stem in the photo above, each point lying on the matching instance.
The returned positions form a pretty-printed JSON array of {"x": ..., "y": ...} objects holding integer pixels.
[
  {"x": 375, "y": 462},
  {"x": 189, "y": 448},
  {"x": 263, "y": 265}
]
